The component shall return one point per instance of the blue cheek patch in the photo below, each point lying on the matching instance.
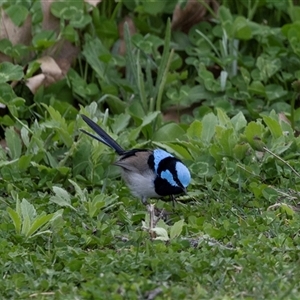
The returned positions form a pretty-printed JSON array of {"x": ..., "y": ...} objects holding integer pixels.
[
  {"x": 169, "y": 177},
  {"x": 159, "y": 155},
  {"x": 183, "y": 174}
]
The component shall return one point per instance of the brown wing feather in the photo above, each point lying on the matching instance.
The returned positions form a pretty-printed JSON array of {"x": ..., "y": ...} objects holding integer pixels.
[{"x": 135, "y": 163}]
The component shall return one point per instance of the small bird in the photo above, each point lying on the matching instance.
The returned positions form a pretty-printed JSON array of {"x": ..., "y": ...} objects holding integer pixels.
[{"x": 148, "y": 173}]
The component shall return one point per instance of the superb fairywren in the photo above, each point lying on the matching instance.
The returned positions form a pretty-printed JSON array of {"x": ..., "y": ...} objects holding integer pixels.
[{"x": 148, "y": 173}]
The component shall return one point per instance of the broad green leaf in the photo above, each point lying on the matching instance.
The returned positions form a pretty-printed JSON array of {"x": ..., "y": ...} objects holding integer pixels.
[
  {"x": 268, "y": 66},
  {"x": 194, "y": 131},
  {"x": 223, "y": 118},
  {"x": 275, "y": 91},
  {"x": 91, "y": 51},
  {"x": 242, "y": 30},
  {"x": 239, "y": 121},
  {"x": 274, "y": 126},
  {"x": 226, "y": 139},
  {"x": 161, "y": 234},
  {"x": 27, "y": 210},
  {"x": 78, "y": 190},
  {"x": 176, "y": 229},
  {"x": 226, "y": 19},
  {"x": 9, "y": 71},
  {"x": 209, "y": 123},
  {"x": 26, "y": 224},
  {"x": 13, "y": 142},
  {"x": 204, "y": 166},
  {"x": 154, "y": 7},
  {"x": 16, "y": 219},
  {"x": 254, "y": 134},
  {"x": 96, "y": 204},
  {"x": 121, "y": 122},
  {"x": 38, "y": 223},
  {"x": 150, "y": 118},
  {"x": 67, "y": 9},
  {"x": 25, "y": 136},
  {"x": 256, "y": 87},
  {"x": 24, "y": 162},
  {"x": 44, "y": 39},
  {"x": 287, "y": 209},
  {"x": 240, "y": 150},
  {"x": 62, "y": 197},
  {"x": 18, "y": 13},
  {"x": 58, "y": 123},
  {"x": 168, "y": 132}
]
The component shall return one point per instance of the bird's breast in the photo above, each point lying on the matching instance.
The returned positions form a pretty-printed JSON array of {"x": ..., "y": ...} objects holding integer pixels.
[{"x": 140, "y": 184}]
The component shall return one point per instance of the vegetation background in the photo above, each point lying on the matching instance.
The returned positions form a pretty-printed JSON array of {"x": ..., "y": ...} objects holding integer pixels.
[{"x": 214, "y": 82}]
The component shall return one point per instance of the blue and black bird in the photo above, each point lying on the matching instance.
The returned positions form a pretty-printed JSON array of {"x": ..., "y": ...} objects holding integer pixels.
[{"x": 148, "y": 173}]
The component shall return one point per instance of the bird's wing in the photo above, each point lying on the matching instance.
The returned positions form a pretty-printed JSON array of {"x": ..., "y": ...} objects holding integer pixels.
[{"x": 135, "y": 160}]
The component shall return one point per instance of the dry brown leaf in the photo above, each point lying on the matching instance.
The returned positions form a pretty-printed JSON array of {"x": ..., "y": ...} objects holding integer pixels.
[
  {"x": 282, "y": 117},
  {"x": 50, "y": 67},
  {"x": 63, "y": 51},
  {"x": 16, "y": 35},
  {"x": 193, "y": 13},
  {"x": 51, "y": 73},
  {"x": 35, "y": 82}
]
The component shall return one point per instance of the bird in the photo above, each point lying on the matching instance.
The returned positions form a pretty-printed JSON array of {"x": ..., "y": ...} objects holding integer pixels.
[{"x": 148, "y": 173}]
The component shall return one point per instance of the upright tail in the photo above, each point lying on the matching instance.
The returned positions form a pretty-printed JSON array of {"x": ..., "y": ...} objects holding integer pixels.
[{"x": 102, "y": 137}]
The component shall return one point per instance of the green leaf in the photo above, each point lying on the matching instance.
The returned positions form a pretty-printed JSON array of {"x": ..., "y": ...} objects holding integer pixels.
[
  {"x": 226, "y": 20},
  {"x": 226, "y": 139},
  {"x": 275, "y": 91},
  {"x": 223, "y": 118},
  {"x": 16, "y": 218},
  {"x": 176, "y": 229},
  {"x": 9, "y": 71},
  {"x": 28, "y": 214},
  {"x": 239, "y": 121},
  {"x": 154, "y": 7},
  {"x": 268, "y": 66},
  {"x": 14, "y": 143},
  {"x": 194, "y": 131},
  {"x": 168, "y": 132},
  {"x": 242, "y": 30},
  {"x": 24, "y": 162},
  {"x": 44, "y": 39},
  {"x": 209, "y": 123},
  {"x": 27, "y": 210},
  {"x": 79, "y": 191},
  {"x": 150, "y": 117},
  {"x": 256, "y": 87},
  {"x": 38, "y": 223},
  {"x": 18, "y": 13},
  {"x": 254, "y": 134},
  {"x": 274, "y": 126},
  {"x": 161, "y": 233},
  {"x": 62, "y": 197}
]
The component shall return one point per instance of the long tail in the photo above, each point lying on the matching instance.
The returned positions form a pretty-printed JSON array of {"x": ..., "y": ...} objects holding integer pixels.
[{"x": 103, "y": 136}]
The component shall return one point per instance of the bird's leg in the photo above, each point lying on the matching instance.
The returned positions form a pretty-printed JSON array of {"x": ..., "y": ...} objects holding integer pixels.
[
  {"x": 152, "y": 223},
  {"x": 172, "y": 198}
]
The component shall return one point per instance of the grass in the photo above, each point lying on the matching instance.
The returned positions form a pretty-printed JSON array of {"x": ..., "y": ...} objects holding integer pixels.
[{"x": 71, "y": 229}]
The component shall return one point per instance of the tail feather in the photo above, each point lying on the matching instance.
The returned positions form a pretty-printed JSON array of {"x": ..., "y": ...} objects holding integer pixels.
[{"x": 102, "y": 137}]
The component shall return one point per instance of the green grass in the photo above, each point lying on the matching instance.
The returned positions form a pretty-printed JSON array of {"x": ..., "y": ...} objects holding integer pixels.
[{"x": 70, "y": 228}]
